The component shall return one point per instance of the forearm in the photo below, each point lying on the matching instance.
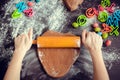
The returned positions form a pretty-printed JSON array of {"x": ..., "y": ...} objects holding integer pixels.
[
  {"x": 14, "y": 68},
  {"x": 100, "y": 72}
]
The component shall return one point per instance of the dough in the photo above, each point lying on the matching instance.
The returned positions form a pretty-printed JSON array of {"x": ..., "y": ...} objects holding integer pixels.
[
  {"x": 73, "y": 4},
  {"x": 57, "y": 62}
]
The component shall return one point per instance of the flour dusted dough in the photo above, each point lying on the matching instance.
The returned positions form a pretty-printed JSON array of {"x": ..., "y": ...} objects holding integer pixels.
[
  {"x": 57, "y": 62},
  {"x": 73, "y": 4}
]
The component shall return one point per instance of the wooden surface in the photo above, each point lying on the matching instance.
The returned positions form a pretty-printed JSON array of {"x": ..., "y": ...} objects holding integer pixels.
[{"x": 32, "y": 68}]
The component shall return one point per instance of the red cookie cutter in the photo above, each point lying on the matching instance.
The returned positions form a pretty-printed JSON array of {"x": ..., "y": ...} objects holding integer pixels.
[
  {"x": 96, "y": 11},
  {"x": 110, "y": 9},
  {"x": 29, "y": 12},
  {"x": 90, "y": 12},
  {"x": 100, "y": 8}
]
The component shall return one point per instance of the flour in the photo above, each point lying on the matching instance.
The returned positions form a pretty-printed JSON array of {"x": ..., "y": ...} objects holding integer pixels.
[
  {"x": 76, "y": 55},
  {"x": 55, "y": 73},
  {"x": 41, "y": 55},
  {"x": 110, "y": 57}
]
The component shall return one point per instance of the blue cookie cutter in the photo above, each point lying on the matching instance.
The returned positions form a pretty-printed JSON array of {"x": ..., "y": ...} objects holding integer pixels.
[
  {"x": 112, "y": 21},
  {"x": 21, "y": 6},
  {"x": 117, "y": 14},
  {"x": 37, "y": 1}
]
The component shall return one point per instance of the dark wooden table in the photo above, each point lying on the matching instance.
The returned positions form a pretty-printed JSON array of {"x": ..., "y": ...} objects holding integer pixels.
[{"x": 35, "y": 67}]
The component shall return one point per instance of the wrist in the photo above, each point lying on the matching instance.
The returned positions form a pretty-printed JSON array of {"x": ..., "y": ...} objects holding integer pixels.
[
  {"x": 96, "y": 53},
  {"x": 95, "y": 50},
  {"x": 20, "y": 53}
]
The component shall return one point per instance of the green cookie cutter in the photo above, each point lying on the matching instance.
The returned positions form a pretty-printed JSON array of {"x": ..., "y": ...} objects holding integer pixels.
[
  {"x": 105, "y": 3},
  {"x": 81, "y": 20},
  {"x": 16, "y": 14},
  {"x": 114, "y": 31},
  {"x": 103, "y": 16}
]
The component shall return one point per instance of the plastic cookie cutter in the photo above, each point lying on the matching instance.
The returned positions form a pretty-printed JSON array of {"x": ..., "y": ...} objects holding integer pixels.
[
  {"x": 105, "y": 3},
  {"x": 96, "y": 11},
  {"x": 37, "y": 1},
  {"x": 111, "y": 8},
  {"x": 16, "y": 14},
  {"x": 117, "y": 14},
  {"x": 100, "y": 8},
  {"x": 81, "y": 20},
  {"x": 112, "y": 21},
  {"x": 106, "y": 28},
  {"x": 21, "y": 6},
  {"x": 90, "y": 12},
  {"x": 102, "y": 16},
  {"x": 29, "y": 12},
  {"x": 114, "y": 31}
]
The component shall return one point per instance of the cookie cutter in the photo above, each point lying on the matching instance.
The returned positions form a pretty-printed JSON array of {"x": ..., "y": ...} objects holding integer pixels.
[
  {"x": 106, "y": 28},
  {"x": 103, "y": 16},
  {"x": 105, "y": 3},
  {"x": 21, "y": 6},
  {"x": 90, "y": 12},
  {"x": 81, "y": 20},
  {"x": 16, "y": 14},
  {"x": 114, "y": 31}
]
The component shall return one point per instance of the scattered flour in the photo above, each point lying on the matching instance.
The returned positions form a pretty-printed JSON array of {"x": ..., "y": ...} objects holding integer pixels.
[
  {"x": 55, "y": 73},
  {"x": 51, "y": 15},
  {"x": 41, "y": 55},
  {"x": 47, "y": 12}
]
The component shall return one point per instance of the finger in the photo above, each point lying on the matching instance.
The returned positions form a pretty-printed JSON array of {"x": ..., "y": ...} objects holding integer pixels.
[
  {"x": 18, "y": 38},
  {"x": 15, "y": 39},
  {"x": 94, "y": 32},
  {"x": 84, "y": 35},
  {"x": 88, "y": 34},
  {"x": 26, "y": 38},
  {"x": 30, "y": 33},
  {"x": 22, "y": 38}
]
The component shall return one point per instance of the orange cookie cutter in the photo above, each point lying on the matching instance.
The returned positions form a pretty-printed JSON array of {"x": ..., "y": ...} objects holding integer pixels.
[{"x": 106, "y": 28}]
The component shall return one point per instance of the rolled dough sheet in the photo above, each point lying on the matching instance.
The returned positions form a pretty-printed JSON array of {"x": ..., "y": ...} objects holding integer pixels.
[{"x": 57, "y": 62}]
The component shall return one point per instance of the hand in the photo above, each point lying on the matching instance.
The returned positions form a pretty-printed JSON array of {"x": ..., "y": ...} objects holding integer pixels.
[
  {"x": 92, "y": 41},
  {"x": 23, "y": 42}
]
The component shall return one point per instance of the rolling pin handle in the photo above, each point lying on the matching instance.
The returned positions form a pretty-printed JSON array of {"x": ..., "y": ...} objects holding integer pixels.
[{"x": 34, "y": 42}]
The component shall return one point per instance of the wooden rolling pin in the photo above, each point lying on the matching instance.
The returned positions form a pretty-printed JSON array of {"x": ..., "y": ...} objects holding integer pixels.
[{"x": 57, "y": 42}]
